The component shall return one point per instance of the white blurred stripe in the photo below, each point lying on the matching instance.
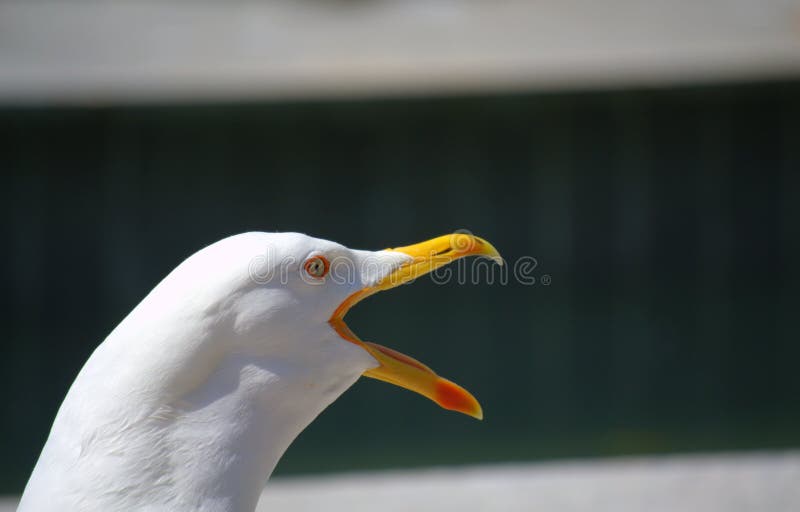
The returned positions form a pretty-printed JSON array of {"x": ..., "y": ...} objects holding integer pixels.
[
  {"x": 100, "y": 52},
  {"x": 768, "y": 482}
]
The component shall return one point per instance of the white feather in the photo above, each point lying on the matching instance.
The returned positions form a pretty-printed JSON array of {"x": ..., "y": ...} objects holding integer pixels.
[{"x": 191, "y": 401}]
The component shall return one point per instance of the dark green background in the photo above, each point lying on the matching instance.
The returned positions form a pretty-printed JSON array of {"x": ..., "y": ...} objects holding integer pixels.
[{"x": 668, "y": 221}]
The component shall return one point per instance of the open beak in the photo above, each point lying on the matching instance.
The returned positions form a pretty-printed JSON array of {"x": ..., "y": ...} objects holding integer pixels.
[{"x": 400, "y": 369}]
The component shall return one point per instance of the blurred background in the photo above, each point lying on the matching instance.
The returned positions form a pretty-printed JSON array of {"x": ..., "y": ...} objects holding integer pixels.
[{"x": 646, "y": 154}]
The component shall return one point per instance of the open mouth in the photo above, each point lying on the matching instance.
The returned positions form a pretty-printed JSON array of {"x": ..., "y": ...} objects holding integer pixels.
[{"x": 400, "y": 369}]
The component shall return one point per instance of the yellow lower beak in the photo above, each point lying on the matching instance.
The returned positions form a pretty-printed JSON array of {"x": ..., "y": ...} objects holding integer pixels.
[{"x": 400, "y": 369}]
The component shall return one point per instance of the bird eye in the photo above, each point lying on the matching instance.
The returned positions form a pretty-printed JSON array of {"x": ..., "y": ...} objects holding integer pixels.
[{"x": 316, "y": 267}]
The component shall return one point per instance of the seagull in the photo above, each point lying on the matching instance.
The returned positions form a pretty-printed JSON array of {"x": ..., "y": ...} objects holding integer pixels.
[{"x": 193, "y": 398}]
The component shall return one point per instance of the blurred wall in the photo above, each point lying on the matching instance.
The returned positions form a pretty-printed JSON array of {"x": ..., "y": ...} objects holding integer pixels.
[{"x": 667, "y": 222}]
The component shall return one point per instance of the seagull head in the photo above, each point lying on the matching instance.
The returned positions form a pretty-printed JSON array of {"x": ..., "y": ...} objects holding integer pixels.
[{"x": 287, "y": 295}]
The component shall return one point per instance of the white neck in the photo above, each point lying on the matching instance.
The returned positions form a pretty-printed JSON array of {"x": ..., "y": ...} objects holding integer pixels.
[{"x": 205, "y": 442}]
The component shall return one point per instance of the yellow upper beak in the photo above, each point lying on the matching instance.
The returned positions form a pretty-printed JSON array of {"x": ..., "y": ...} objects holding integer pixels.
[{"x": 400, "y": 369}]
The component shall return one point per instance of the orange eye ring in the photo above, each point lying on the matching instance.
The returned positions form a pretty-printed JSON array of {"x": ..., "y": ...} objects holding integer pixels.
[{"x": 317, "y": 267}]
